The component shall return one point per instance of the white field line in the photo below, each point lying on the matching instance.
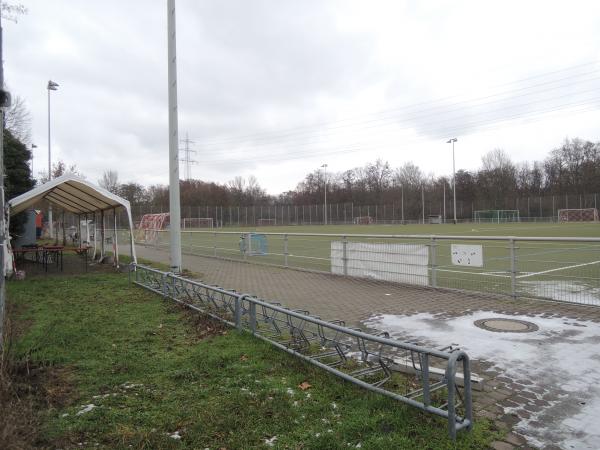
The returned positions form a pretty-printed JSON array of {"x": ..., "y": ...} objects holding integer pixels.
[
  {"x": 490, "y": 274},
  {"x": 557, "y": 269}
]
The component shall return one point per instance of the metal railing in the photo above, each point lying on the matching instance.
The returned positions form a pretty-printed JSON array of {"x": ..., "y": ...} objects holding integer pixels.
[
  {"x": 425, "y": 378},
  {"x": 557, "y": 268}
]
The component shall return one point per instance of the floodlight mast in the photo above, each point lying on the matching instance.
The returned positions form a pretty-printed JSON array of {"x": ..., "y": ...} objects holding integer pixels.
[
  {"x": 52, "y": 86},
  {"x": 452, "y": 141},
  {"x": 174, "y": 201},
  {"x": 324, "y": 166}
]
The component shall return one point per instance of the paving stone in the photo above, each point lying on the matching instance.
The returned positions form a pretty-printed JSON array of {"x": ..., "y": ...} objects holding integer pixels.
[
  {"x": 499, "y": 445},
  {"x": 515, "y": 439},
  {"x": 355, "y": 300}
]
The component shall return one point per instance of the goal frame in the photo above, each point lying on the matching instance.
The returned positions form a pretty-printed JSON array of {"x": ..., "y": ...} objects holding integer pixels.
[
  {"x": 188, "y": 222},
  {"x": 363, "y": 220},
  {"x": 578, "y": 215},
  {"x": 266, "y": 222},
  {"x": 496, "y": 215}
]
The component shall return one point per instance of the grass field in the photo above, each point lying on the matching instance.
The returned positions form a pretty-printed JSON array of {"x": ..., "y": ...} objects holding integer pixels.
[
  {"x": 568, "y": 271},
  {"x": 109, "y": 365}
]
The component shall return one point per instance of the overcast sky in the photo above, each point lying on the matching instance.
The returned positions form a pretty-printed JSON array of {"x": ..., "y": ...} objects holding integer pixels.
[{"x": 276, "y": 88}]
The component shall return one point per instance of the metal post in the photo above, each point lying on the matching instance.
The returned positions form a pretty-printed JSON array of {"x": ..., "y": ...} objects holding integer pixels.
[
  {"x": 252, "y": 317},
  {"x": 215, "y": 243},
  {"x": 433, "y": 253},
  {"x": 52, "y": 86},
  {"x": 238, "y": 313},
  {"x": 452, "y": 141},
  {"x": 174, "y": 199},
  {"x": 425, "y": 374},
  {"x": 285, "y": 250},
  {"x": 324, "y": 166},
  {"x": 164, "y": 284},
  {"x": 2, "y": 217},
  {"x": 345, "y": 254},
  {"x": 423, "y": 203},
  {"x": 402, "y": 199},
  {"x": 513, "y": 268},
  {"x": 444, "y": 185}
]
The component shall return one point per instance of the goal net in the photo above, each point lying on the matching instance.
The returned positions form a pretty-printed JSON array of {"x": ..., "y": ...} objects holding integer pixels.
[
  {"x": 578, "y": 215},
  {"x": 265, "y": 222},
  {"x": 150, "y": 225},
  {"x": 197, "y": 222},
  {"x": 496, "y": 215},
  {"x": 363, "y": 220}
]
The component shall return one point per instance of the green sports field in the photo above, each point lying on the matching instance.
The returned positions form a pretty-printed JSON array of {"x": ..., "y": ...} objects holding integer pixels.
[{"x": 568, "y": 271}]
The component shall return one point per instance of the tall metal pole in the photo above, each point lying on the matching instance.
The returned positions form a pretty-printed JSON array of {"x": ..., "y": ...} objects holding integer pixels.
[
  {"x": 2, "y": 224},
  {"x": 52, "y": 86},
  {"x": 174, "y": 206},
  {"x": 444, "y": 185},
  {"x": 402, "y": 204},
  {"x": 423, "y": 201},
  {"x": 325, "y": 205},
  {"x": 50, "y": 224},
  {"x": 452, "y": 141}
]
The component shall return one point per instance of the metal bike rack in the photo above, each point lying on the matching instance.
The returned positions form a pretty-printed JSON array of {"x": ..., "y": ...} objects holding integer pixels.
[{"x": 425, "y": 378}]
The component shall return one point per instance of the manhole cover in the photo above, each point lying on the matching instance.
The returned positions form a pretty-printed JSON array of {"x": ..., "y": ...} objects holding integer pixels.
[{"x": 501, "y": 325}]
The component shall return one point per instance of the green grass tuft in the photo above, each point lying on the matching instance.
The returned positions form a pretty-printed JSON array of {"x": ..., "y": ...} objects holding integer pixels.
[{"x": 151, "y": 370}]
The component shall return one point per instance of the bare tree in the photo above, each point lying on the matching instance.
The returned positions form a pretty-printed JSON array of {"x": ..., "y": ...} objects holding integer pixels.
[
  {"x": 58, "y": 169},
  {"x": 18, "y": 120},
  {"x": 110, "y": 181}
]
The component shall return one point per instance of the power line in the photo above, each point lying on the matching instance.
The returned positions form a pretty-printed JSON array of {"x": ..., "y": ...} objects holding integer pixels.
[
  {"x": 481, "y": 125},
  {"x": 358, "y": 120},
  {"x": 438, "y": 126}
]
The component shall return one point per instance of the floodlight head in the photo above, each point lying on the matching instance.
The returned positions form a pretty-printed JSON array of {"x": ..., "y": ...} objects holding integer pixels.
[
  {"x": 52, "y": 86},
  {"x": 324, "y": 165},
  {"x": 33, "y": 146},
  {"x": 450, "y": 141}
]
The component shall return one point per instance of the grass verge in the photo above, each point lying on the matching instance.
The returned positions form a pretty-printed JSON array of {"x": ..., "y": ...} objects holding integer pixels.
[{"x": 123, "y": 369}]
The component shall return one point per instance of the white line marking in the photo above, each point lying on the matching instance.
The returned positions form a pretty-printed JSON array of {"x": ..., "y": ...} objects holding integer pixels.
[
  {"x": 490, "y": 274},
  {"x": 557, "y": 269}
]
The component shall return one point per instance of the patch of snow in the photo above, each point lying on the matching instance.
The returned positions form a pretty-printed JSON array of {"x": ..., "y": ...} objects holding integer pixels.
[
  {"x": 270, "y": 441},
  {"x": 559, "y": 363},
  {"x": 290, "y": 391},
  {"x": 573, "y": 292},
  {"x": 175, "y": 435},
  {"x": 86, "y": 409}
]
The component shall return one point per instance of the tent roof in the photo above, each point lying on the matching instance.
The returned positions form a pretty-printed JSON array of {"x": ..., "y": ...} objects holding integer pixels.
[{"x": 70, "y": 192}]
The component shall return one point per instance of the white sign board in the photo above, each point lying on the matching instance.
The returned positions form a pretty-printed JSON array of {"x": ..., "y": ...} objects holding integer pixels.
[
  {"x": 467, "y": 255},
  {"x": 402, "y": 263}
]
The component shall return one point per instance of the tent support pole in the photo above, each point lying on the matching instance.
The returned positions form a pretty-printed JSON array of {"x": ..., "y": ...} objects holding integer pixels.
[
  {"x": 115, "y": 243},
  {"x": 79, "y": 229},
  {"x": 102, "y": 234}
]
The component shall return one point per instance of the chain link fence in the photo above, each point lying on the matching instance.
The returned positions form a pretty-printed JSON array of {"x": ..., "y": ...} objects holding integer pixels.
[
  {"x": 411, "y": 210},
  {"x": 557, "y": 268}
]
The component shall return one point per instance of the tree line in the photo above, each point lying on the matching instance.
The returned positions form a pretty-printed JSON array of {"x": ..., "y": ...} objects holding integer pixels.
[{"x": 573, "y": 168}]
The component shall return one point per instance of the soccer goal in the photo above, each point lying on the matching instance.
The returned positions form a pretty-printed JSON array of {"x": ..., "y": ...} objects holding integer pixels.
[
  {"x": 265, "y": 222},
  {"x": 151, "y": 224},
  {"x": 496, "y": 215},
  {"x": 197, "y": 222},
  {"x": 363, "y": 220},
  {"x": 578, "y": 215}
]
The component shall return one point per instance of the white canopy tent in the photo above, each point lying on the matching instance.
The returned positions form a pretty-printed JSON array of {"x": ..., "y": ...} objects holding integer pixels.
[{"x": 79, "y": 197}]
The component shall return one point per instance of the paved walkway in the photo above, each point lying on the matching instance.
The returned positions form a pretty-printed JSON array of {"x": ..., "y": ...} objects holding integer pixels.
[{"x": 357, "y": 300}]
